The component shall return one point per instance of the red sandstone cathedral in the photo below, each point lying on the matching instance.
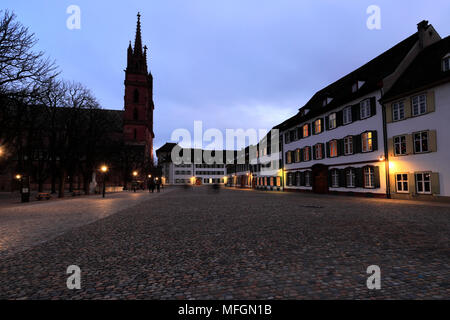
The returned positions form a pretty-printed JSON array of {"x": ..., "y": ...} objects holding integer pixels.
[{"x": 138, "y": 115}]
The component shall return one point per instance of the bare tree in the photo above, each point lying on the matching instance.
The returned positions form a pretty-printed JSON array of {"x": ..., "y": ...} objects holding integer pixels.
[{"x": 20, "y": 66}]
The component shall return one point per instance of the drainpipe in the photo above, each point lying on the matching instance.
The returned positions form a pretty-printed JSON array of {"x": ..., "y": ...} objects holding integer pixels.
[{"x": 386, "y": 153}]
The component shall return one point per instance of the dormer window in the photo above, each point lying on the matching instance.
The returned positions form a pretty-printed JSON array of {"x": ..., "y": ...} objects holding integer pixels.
[
  {"x": 326, "y": 101},
  {"x": 357, "y": 85},
  {"x": 446, "y": 63}
]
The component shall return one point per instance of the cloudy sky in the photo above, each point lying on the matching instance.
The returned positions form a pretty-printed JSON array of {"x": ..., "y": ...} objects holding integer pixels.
[{"x": 229, "y": 63}]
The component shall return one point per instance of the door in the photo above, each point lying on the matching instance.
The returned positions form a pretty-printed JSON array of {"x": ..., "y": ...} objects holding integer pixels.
[{"x": 320, "y": 178}]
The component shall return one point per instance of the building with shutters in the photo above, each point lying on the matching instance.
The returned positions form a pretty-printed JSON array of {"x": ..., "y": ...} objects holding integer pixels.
[
  {"x": 417, "y": 126},
  {"x": 336, "y": 142}
]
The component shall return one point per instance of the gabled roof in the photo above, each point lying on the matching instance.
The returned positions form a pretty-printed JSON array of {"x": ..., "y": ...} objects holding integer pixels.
[
  {"x": 424, "y": 72},
  {"x": 167, "y": 147},
  {"x": 372, "y": 73}
]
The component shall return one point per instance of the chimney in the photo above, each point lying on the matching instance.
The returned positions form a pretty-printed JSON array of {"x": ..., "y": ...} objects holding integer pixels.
[{"x": 422, "y": 27}]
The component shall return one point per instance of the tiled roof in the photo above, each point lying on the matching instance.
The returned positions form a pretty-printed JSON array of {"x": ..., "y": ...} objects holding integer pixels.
[
  {"x": 425, "y": 71},
  {"x": 372, "y": 73}
]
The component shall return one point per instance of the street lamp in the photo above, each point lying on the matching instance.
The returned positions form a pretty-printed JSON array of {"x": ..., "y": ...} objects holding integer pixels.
[{"x": 104, "y": 170}]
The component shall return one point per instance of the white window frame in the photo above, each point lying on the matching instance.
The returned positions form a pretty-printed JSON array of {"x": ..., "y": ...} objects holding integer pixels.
[
  {"x": 446, "y": 63},
  {"x": 402, "y": 141},
  {"x": 334, "y": 178},
  {"x": 347, "y": 115},
  {"x": 398, "y": 111},
  {"x": 348, "y": 145},
  {"x": 420, "y": 139},
  {"x": 423, "y": 182},
  {"x": 419, "y": 104},
  {"x": 317, "y": 151},
  {"x": 350, "y": 177},
  {"x": 307, "y": 178},
  {"x": 366, "y": 141},
  {"x": 364, "y": 109},
  {"x": 332, "y": 122},
  {"x": 369, "y": 177},
  {"x": 400, "y": 178}
]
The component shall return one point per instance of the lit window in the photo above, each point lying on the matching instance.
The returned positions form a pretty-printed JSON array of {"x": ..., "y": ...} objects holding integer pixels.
[
  {"x": 348, "y": 145},
  {"x": 367, "y": 141},
  {"x": 402, "y": 182},
  {"x": 288, "y": 157},
  {"x": 398, "y": 111},
  {"x": 306, "y": 154},
  {"x": 423, "y": 183},
  {"x": 365, "y": 109},
  {"x": 419, "y": 105},
  {"x": 421, "y": 142},
  {"x": 297, "y": 155},
  {"x": 305, "y": 131},
  {"x": 369, "y": 177},
  {"x": 332, "y": 121},
  {"x": 333, "y": 149},
  {"x": 335, "y": 178},
  {"x": 347, "y": 115},
  {"x": 318, "y": 126},
  {"x": 400, "y": 145},
  {"x": 350, "y": 177}
]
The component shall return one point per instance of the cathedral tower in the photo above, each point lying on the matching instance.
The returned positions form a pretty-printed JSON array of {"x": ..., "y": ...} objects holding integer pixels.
[{"x": 138, "y": 115}]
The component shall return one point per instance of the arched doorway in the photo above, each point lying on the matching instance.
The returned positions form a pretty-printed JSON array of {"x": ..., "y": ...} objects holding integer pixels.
[{"x": 320, "y": 178}]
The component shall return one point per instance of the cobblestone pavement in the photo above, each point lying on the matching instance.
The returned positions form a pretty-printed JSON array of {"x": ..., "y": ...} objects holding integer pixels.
[
  {"x": 25, "y": 225},
  {"x": 244, "y": 245}
]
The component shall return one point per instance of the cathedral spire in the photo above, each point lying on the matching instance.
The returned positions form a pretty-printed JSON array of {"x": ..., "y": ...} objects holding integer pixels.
[{"x": 138, "y": 40}]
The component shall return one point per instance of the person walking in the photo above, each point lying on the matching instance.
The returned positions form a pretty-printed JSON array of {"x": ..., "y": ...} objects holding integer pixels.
[
  {"x": 158, "y": 185},
  {"x": 152, "y": 185}
]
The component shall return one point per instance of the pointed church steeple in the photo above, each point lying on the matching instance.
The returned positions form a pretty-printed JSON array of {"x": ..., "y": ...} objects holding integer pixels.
[
  {"x": 137, "y": 59},
  {"x": 138, "y": 39}
]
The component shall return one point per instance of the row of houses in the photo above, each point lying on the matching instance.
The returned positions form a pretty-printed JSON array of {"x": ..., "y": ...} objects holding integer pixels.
[{"x": 381, "y": 131}]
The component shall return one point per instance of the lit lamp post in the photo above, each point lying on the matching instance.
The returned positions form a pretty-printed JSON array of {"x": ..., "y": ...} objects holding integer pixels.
[
  {"x": 135, "y": 174},
  {"x": 104, "y": 170}
]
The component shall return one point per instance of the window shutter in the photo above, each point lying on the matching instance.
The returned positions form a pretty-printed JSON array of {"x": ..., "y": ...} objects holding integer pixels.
[
  {"x": 312, "y": 127},
  {"x": 330, "y": 178},
  {"x": 409, "y": 144},
  {"x": 389, "y": 110},
  {"x": 359, "y": 178},
  {"x": 339, "y": 118},
  {"x": 328, "y": 149},
  {"x": 435, "y": 185},
  {"x": 340, "y": 144},
  {"x": 357, "y": 147},
  {"x": 301, "y": 155},
  {"x": 412, "y": 183},
  {"x": 322, "y": 125},
  {"x": 286, "y": 155},
  {"x": 376, "y": 171},
  {"x": 342, "y": 178},
  {"x": 373, "y": 106},
  {"x": 314, "y": 152},
  {"x": 299, "y": 133},
  {"x": 391, "y": 147},
  {"x": 355, "y": 112},
  {"x": 392, "y": 182},
  {"x": 408, "y": 108},
  {"x": 430, "y": 101},
  {"x": 323, "y": 150},
  {"x": 327, "y": 123},
  {"x": 374, "y": 141},
  {"x": 294, "y": 179},
  {"x": 432, "y": 139},
  {"x": 302, "y": 179}
]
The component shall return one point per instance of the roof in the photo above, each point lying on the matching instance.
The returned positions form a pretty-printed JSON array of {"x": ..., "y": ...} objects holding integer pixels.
[
  {"x": 372, "y": 73},
  {"x": 425, "y": 71},
  {"x": 167, "y": 147}
]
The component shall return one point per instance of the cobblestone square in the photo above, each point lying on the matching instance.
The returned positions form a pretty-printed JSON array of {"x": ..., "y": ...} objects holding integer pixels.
[{"x": 234, "y": 244}]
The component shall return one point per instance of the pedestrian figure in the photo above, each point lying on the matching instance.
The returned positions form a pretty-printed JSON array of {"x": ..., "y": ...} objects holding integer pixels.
[
  {"x": 152, "y": 185},
  {"x": 158, "y": 185}
]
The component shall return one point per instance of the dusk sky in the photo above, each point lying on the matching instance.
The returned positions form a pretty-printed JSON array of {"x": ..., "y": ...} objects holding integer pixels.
[{"x": 232, "y": 64}]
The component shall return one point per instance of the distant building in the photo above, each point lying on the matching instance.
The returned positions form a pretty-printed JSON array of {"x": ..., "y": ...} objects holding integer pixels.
[{"x": 194, "y": 171}]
